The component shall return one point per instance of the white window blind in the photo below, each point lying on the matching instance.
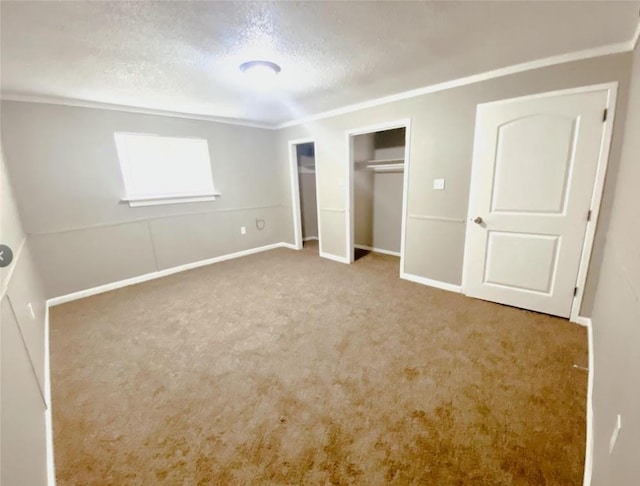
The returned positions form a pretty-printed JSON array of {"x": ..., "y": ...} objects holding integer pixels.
[{"x": 163, "y": 170}]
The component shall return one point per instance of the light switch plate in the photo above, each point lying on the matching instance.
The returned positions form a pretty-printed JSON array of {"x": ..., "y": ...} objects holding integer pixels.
[{"x": 438, "y": 184}]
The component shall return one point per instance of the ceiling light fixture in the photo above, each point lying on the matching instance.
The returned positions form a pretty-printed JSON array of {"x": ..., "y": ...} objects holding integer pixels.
[{"x": 260, "y": 70}]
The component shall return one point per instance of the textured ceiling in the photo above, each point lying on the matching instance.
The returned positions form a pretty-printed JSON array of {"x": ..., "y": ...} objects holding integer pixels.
[{"x": 184, "y": 56}]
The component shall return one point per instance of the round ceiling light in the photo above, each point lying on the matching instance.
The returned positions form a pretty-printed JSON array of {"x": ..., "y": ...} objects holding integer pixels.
[{"x": 260, "y": 70}]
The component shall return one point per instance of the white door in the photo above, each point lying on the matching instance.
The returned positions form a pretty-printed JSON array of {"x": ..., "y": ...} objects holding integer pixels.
[{"x": 534, "y": 168}]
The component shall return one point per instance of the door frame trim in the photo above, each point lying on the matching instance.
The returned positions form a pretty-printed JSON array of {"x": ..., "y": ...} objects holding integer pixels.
[
  {"x": 596, "y": 198},
  {"x": 349, "y": 176},
  {"x": 294, "y": 184}
]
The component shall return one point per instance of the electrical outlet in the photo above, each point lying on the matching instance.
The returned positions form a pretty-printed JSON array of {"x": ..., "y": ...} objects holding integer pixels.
[
  {"x": 438, "y": 184},
  {"x": 615, "y": 433},
  {"x": 243, "y": 230},
  {"x": 30, "y": 307}
]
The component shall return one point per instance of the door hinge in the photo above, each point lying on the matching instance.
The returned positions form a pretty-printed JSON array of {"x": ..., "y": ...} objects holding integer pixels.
[
  {"x": 589, "y": 215},
  {"x": 604, "y": 115},
  {"x": 575, "y": 291}
]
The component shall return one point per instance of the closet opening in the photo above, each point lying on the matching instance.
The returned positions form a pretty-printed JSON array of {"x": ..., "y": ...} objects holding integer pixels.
[
  {"x": 304, "y": 193},
  {"x": 377, "y": 185}
]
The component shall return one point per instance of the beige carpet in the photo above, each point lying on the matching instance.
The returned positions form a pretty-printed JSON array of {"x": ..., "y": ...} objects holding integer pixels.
[{"x": 284, "y": 368}]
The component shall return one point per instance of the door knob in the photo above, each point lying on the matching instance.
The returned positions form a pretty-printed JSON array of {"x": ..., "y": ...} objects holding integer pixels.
[{"x": 478, "y": 220}]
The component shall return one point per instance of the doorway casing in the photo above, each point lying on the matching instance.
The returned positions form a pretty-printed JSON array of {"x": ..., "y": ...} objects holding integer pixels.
[
  {"x": 294, "y": 182},
  {"x": 349, "y": 177}
]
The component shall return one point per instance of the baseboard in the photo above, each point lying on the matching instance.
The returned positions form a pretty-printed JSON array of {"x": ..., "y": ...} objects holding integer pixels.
[
  {"x": 377, "y": 250},
  {"x": 431, "y": 283},
  {"x": 291, "y": 246},
  {"x": 309, "y": 238},
  {"x": 588, "y": 455},
  {"x": 583, "y": 321},
  {"x": 48, "y": 420},
  {"x": 161, "y": 273},
  {"x": 335, "y": 258}
]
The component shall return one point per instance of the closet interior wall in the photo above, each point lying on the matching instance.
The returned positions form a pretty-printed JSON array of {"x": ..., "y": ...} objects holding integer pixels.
[
  {"x": 378, "y": 184},
  {"x": 308, "y": 197}
]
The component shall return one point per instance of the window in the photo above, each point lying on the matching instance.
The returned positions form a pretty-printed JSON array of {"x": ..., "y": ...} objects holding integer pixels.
[{"x": 164, "y": 170}]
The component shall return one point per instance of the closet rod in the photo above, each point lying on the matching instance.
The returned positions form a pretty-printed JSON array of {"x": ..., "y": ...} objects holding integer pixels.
[{"x": 386, "y": 167}]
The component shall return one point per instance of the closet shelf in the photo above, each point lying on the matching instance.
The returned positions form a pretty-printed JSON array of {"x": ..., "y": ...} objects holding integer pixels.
[
  {"x": 397, "y": 167},
  {"x": 381, "y": 161},
  {"x": 382, "y": 165}
]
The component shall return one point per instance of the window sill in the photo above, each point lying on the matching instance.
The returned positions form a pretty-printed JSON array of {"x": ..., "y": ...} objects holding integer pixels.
[{"x": 156, "y": 201}]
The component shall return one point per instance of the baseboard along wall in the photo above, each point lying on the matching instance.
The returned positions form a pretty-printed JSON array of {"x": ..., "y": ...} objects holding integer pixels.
[
  {"x": 377, "y": 250},
  {"x": 431, "y": 283},
  {"x": 161, "y": 273}
]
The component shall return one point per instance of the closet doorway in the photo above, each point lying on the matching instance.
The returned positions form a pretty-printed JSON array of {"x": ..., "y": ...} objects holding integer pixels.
[
  {"x": 378, "y": 157},
  {"x": 304, "y": 193}
]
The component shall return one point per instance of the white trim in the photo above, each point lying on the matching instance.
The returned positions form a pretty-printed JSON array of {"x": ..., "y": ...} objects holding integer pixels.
[
  {"x": 48, "y": 419},
  {"x": 378, "y": 127},
  {"x": 160, "y": 273},
  {"x": 53, "y": 100},
  {"x": 598, "y": 188},
  {"x": 294, "y": 185},
  {"x": 151, "y": 218},
  {"x": 160, "y": 200},
  {"x": 335, "y": 258},
  {"x": 309, "y": 238},
  {"x": 12, "y": 267},
  {"x": 588, "y": 455},
  {"x": 583, "y": 321},
  {"x": 634, "y": 40},
  {"x": 405, "y": 194},
  {"x": 349, "y": 175},
  {"x": 464, "y": 81},
  {"x": 349, "y": 197},
  {"x": 596, "y": 199},
  {"x": 377, "y": 250},
  {"x": 431, "y": 283},
  {"x": 285, "y": 245}
]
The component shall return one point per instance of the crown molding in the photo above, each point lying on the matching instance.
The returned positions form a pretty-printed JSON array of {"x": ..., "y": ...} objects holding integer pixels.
[
  {"x": 54, "y": 100},
  {"x": 475, "y": 78},
  {"x": 609, "y": 49}
]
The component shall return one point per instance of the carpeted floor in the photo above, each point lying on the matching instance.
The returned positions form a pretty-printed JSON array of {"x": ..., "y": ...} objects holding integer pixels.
[{"x": 284, "y": 368}]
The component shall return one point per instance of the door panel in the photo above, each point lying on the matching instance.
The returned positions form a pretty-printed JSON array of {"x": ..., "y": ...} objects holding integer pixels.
[
  {"x": 524, "y": 165},
  {"x": 534, "y": 167},
  {"x": 509, "y": 257}
]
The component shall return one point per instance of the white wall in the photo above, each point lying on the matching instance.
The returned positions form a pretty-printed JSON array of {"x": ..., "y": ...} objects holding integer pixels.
[
  {"x": 64, "y": 166},
  {"x": 616, "y": 317},
  {"x": 22, "y": 367},
  {"x": 442, "y": 128}
]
